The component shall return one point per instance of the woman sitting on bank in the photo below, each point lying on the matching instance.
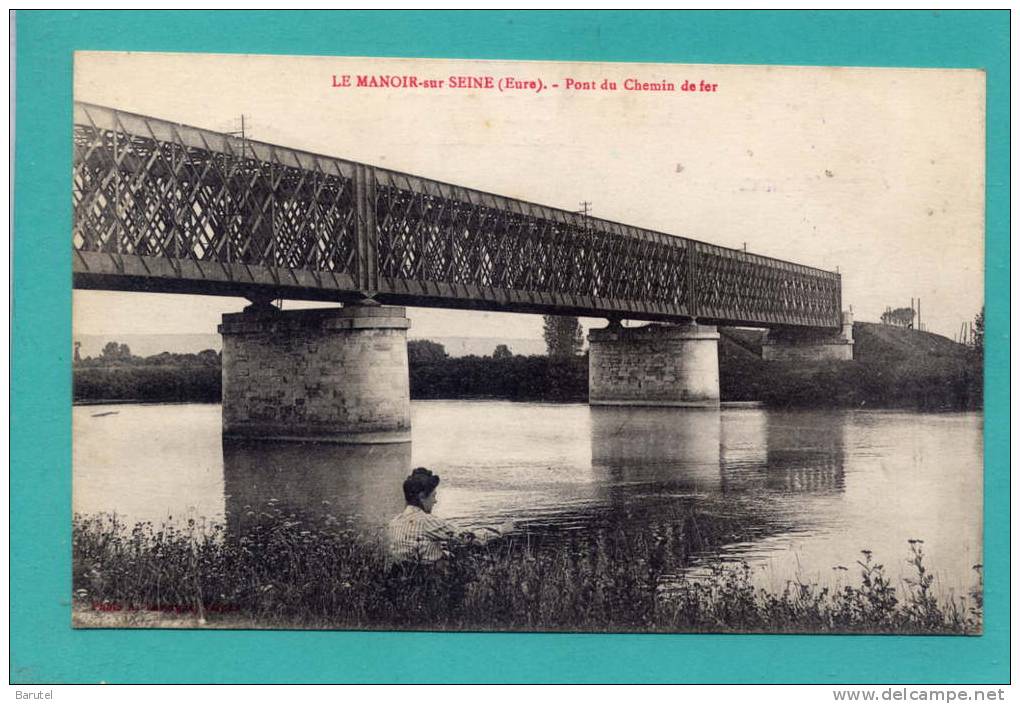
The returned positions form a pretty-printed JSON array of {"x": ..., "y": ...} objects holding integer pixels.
[{"x": 416, "y": 536}]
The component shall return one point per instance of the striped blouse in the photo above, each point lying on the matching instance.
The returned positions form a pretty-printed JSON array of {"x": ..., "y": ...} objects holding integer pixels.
[{"x": 414, "y": 535}]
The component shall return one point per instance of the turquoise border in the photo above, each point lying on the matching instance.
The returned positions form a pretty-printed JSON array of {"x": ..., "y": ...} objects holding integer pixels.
[{"x": 43, "y": 646}]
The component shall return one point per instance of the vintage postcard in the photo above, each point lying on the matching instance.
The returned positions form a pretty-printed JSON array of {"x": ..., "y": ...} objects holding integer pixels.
[{"x": 418, "y": 344}]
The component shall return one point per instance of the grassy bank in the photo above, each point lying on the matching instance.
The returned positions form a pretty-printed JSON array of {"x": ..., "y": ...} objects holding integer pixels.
[
  {"x": 285, "y": 572},
  {"x": 892, "y": 368}
]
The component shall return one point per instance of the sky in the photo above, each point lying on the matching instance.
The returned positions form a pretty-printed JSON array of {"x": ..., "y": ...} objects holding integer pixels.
[{"x": 877, "y": 172}]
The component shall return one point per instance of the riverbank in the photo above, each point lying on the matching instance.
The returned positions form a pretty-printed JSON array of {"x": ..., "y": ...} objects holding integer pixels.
[
  {"x": 893, "y": 368},
  {"x": 279, "y": 571}
]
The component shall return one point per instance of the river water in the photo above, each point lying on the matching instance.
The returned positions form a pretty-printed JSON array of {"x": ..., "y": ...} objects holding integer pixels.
[{"x": 799, "y": 493}]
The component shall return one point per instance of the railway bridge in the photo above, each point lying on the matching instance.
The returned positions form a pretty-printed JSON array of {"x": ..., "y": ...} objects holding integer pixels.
[{"x": 165, "y": 207}]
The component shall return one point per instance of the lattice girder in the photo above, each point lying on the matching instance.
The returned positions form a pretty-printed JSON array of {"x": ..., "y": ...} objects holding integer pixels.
[{"x": 162, "y": 206}]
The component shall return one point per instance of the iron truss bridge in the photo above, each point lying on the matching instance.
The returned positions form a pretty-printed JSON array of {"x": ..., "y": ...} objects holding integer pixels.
[{"x": 160, "y": 206}]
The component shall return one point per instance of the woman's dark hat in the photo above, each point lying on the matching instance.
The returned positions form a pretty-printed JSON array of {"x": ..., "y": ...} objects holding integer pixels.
[{"x": 421, "y": 481}]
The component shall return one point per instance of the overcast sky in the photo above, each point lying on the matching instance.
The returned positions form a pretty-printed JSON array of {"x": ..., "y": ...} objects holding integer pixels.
[{"x": 879, "y": 172}]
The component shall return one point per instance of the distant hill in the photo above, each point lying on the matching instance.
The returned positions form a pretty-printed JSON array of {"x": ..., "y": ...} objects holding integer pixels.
[{"x": 148, "y": 345}]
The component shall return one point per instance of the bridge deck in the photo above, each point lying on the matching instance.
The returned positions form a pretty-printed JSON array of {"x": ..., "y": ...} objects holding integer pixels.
[{"x": 160, "y": 206}]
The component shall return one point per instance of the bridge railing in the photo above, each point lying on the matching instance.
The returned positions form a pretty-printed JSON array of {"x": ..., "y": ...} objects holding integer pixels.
[{"x": 162, "y": 206}]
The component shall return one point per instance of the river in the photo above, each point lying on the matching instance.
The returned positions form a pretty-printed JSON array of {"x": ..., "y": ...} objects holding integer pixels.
[{"x": 801, "y": 493}]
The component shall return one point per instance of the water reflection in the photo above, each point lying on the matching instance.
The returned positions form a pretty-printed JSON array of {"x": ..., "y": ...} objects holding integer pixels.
[
  {"x": 678, "y": 447},
  {"x": 358, "y": 484},
  {"x": 805, "y": 453},
  {"x": 663, "y": 469},
  {"x": 782, "y": 453}
]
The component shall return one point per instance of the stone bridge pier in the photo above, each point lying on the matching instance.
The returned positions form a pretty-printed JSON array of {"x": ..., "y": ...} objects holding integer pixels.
[
  {"x": 811, "y": 345},
  {"x": 323, "y": 374},
  {"x": 654, "y": 365}
]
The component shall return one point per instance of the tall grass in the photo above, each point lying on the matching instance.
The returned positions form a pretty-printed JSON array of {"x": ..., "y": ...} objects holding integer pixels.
[{"x": 283, "y": 572}]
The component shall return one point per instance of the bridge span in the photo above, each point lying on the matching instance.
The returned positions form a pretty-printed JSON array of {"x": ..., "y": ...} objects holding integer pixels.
[{"x": 165, "y": 207}]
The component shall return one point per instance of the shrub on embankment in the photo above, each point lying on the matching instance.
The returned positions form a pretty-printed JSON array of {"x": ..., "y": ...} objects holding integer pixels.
[{"x": 289, "y": 573}]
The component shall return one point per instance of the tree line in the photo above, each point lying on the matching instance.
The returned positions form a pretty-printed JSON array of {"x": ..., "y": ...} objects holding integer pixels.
[{"x": 118, "y": 354}]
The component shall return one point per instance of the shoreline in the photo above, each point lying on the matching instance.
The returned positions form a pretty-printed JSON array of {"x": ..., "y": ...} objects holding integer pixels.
[
  {"x": 752, "y": 405},
  {"x": 139, "y": 402}
]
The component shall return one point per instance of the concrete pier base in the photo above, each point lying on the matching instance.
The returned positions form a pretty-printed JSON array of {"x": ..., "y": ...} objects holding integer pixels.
[
  {"x": 654, "y": 365},
  {"x": 325, "y": 374},
  {"x": 811, "y": 345}
]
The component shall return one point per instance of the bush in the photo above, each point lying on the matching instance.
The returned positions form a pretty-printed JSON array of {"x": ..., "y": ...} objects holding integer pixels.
[{"x": 519, "y": 378}]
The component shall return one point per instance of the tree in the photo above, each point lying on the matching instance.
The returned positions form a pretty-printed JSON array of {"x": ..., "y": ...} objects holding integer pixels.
[
  {"x": 563, "y": 335},
  {"x": 502, "y": 352},
  {"x": 425, "y": 352},
  {"x": 209, "y": 358},
  {"x": 903, "y": 317},
  {"x": 979, "y": 332},
  {"x": 113, "y": 351}
]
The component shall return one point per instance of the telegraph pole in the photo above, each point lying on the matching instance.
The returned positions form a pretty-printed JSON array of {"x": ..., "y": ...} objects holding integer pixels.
[
  {"x": 244, "y": 137},
  {"x": 584, "y": 212}
]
